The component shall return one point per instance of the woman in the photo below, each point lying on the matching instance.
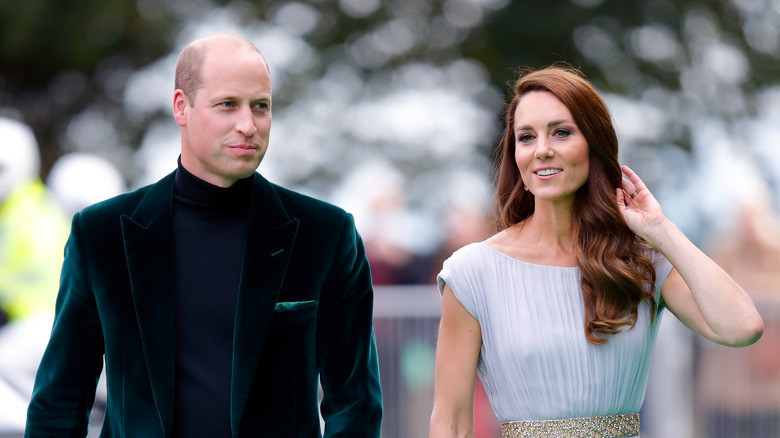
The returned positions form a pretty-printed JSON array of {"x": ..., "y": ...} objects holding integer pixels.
[{"x": 558, "y": 312}]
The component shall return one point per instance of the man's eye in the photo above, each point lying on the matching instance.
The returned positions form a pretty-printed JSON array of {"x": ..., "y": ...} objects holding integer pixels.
[
  {"x": 227, "y": 104},
  {"x": 262, "y": 105}
]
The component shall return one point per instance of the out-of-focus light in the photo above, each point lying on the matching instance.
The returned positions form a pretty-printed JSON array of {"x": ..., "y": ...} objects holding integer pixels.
[
  {"x": 340, "y": 82},
  {"x": 20, "y": 160},
  {"x": 718, "y": 153},
  {"x": 443, "y": 33},
  {"x": 80, "y": 179},
  {"x": 283, "y": 50},
  {"x": 726, "y": 62},
  {"x": 421, "y": 122},
  {"x": 654, "y": 43},
  {"x": 297, "y": 18},
  {"x": 394, "y": 38},
  {"x": 761, "y": 33},
  {"x": 91, "y": 131},
  {"x": 365, "y": 53},
  {"x": 636, "y": 120},
  {"x": 463, "y": 13},
  {"x": 595, "y": 43},
  {"x": 359, "y": 8},
  {"x": 699, "y": 25},
  {"x": 749, "y": 6},
  {"x": 157, "y": 155},
  {"x": 467, "y": 74},
  {"x": 151, "y": 89},
  {"x": 494, "y": 5},
  {"x": 768, "y": 101}
]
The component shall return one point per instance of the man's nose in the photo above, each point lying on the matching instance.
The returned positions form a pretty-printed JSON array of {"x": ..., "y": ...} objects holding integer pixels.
[{"x": 246, "y": 122}]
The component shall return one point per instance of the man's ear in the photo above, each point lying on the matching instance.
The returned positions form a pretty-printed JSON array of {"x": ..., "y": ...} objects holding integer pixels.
[{"x": 180, "y": 107}]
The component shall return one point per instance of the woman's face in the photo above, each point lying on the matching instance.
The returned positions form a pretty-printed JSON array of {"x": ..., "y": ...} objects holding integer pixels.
[{"x": 550, "y": 150}]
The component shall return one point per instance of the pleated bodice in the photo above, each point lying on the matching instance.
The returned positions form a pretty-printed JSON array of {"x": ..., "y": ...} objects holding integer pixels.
[{"x": 535, "y": 362}]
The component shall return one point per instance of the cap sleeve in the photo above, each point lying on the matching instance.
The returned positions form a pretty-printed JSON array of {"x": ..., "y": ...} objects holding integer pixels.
[{"x": 460, "y": 273}]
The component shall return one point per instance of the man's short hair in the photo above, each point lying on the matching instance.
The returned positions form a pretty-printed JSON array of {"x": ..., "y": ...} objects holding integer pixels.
[{"x": 189, "y": 65}]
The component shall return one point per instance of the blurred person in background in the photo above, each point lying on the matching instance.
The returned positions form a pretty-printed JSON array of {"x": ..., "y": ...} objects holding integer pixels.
[
  {"x": 558, "y": 312},
  {"x": 398, "y": 249},
  {"x": 399, "y": 241},
  {"x": 33, "y": 229},
  {"x": 738, "y": 392},
  {"x": 220, "y": 301},
  {"x": 79, "y": 179},
  {"x": 398, "y": 245}
]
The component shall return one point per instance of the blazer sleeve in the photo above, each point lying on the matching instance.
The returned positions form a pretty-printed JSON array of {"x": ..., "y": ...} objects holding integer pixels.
[
  {"x": 67, "y": 377},
  {"x": 346, "y": 348}
]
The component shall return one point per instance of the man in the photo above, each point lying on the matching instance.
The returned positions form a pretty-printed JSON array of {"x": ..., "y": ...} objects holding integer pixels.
[{"x": 217, "y": 298}]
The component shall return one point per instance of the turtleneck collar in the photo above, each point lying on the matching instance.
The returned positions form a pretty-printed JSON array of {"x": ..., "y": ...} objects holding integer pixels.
[{"x": 196, "y": 192}]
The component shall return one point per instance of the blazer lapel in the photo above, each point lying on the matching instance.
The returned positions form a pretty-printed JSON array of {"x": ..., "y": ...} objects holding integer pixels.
[
  {"x": 149, "y": 252},
  {"x": 270, "y": 239}
]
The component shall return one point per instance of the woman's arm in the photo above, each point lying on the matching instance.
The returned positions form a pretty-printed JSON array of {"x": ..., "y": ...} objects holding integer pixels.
[
  {"x": 457, "y": 352},
  {"x": 701, "y": 294}
]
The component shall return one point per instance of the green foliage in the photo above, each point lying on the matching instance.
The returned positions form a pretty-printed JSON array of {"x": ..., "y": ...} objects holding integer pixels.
[{"x": 59, "y": 58}]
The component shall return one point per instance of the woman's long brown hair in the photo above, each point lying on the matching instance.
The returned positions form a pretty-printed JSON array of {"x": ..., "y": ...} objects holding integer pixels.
[{"x": 616, "y": 274}]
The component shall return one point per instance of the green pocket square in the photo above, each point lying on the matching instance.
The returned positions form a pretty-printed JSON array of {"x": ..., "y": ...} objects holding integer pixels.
[
  {"x": 294, "y": 312},
  {"x": 286, "y": 306}
]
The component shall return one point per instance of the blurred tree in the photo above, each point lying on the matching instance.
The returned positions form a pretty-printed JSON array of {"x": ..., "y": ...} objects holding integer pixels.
[
  {"x": 630, "y": 47},
  {"x": 60, "y": 57},
  {"x": 66, "y": 65}
]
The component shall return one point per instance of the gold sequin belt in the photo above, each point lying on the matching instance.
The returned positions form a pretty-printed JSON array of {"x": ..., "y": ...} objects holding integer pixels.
[{"x": 610, "y": 426}]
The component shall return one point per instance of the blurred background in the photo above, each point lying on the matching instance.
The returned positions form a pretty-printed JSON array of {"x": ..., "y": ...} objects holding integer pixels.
[{"x": 392, "y": 110}]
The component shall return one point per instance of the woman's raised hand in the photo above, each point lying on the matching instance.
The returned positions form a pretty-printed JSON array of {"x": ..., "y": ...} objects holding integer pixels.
[{"x": 638, "y": 206}]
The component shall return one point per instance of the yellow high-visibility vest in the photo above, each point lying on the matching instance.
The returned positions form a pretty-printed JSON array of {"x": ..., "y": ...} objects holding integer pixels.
[{"x": 33, "y": 232}]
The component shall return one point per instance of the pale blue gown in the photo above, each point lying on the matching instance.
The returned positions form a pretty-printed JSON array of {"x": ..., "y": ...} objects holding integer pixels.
[{"x": 535, "y": 362}]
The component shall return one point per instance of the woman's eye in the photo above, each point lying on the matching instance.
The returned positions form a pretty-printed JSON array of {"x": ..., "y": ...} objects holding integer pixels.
[
  {"x": 562, "y": 133},
  {"x": 525, "y": 138}
]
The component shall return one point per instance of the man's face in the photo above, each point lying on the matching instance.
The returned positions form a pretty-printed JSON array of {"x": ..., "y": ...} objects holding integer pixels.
[{"x": 226, "y": 124}]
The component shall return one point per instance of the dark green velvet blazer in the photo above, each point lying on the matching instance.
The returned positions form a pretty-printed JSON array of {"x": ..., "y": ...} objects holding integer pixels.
[{"x": 304, "y": 311}]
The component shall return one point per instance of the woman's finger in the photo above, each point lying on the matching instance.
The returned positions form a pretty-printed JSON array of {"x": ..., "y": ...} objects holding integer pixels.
[
  {"x": 638, "y": 184},
  {"x": 621, "y": 196},
  {"x": 628, "y": 189},
  {"x": 626, "y": 185}
]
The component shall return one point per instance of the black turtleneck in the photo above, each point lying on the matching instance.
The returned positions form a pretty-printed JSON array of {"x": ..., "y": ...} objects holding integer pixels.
[{"x": 209, "y": 234}]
